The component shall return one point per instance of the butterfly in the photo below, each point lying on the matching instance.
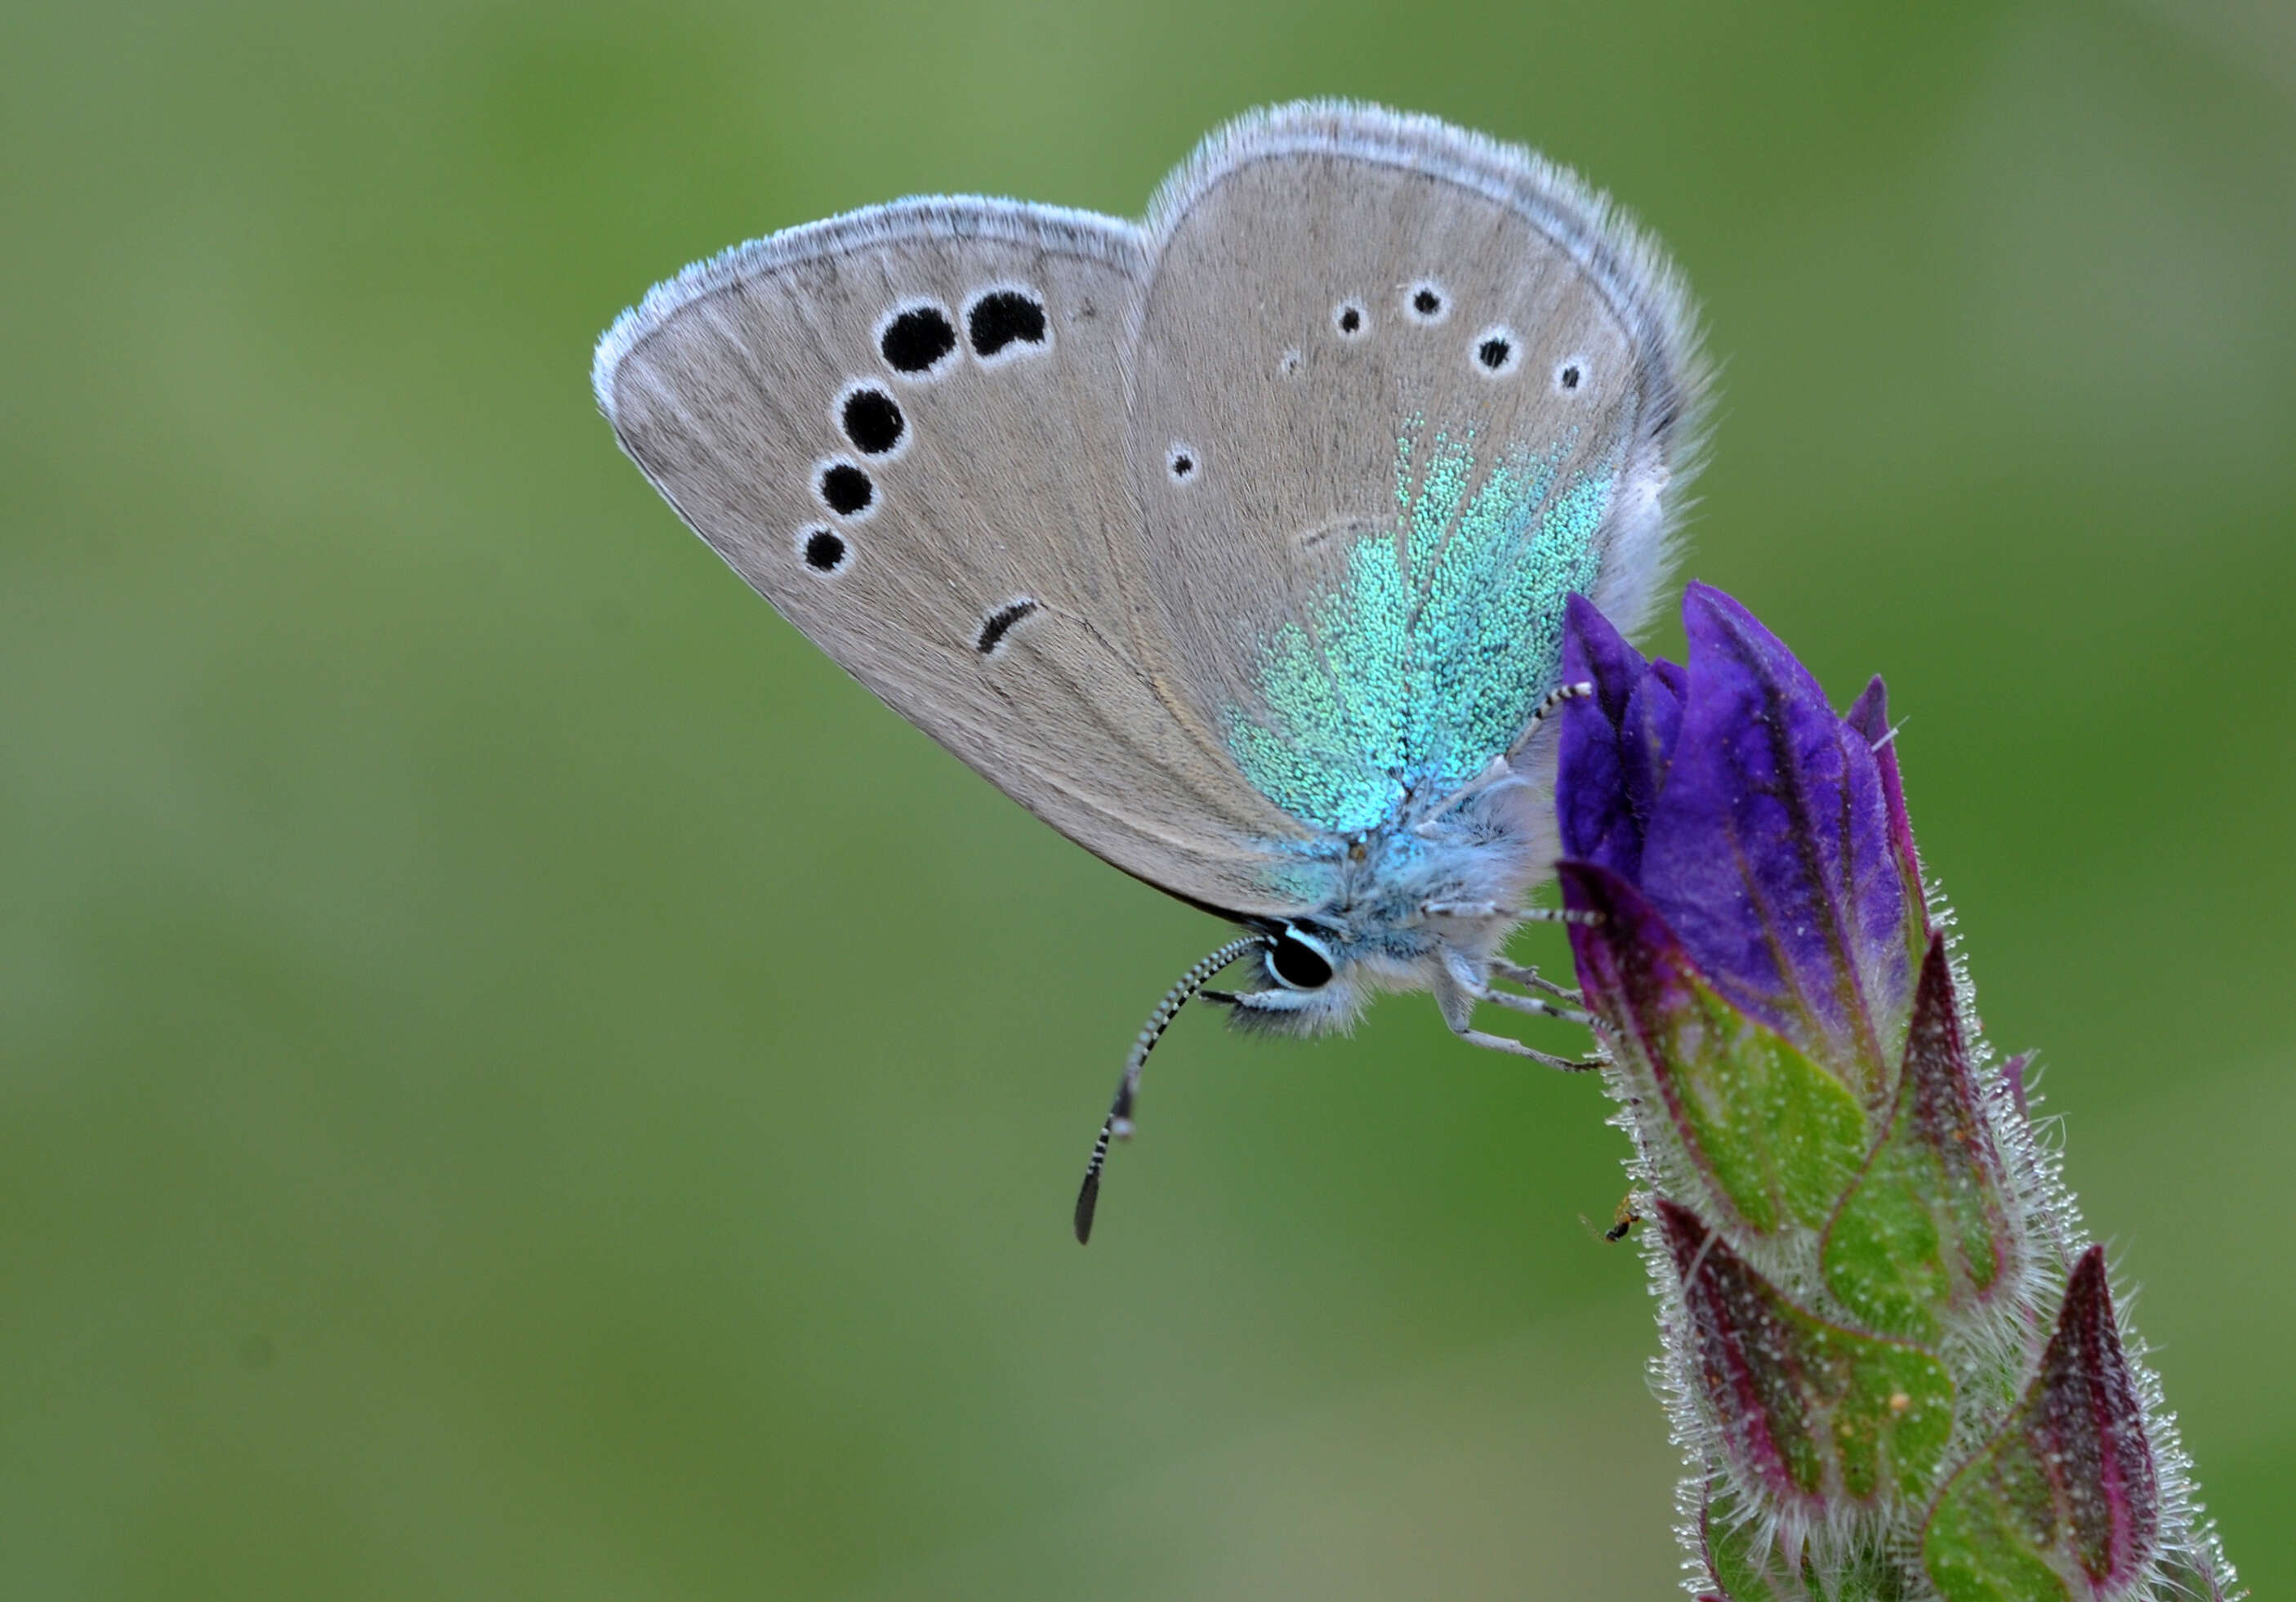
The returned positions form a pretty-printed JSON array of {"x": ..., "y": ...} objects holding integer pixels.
[{"x": 1233, "y": 543}]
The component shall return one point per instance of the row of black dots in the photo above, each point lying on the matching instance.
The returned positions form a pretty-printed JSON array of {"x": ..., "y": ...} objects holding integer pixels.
[
  {"x": 918, "y": 341},
  {"x": 1002, "y": 322},
  {"x": 1425, "y": 302},
  {"x": 1497, "y": 351}
]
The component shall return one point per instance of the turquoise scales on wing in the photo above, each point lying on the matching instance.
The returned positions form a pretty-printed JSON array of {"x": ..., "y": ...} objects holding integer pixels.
[{"x": 1431, "y": 658}]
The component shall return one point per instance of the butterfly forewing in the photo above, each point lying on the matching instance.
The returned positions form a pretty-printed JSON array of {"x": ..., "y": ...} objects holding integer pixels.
[{"x": 905, "y": 429}]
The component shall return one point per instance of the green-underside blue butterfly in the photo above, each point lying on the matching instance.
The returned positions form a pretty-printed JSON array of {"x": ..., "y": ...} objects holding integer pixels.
[{"x": 1232, "y": 544}]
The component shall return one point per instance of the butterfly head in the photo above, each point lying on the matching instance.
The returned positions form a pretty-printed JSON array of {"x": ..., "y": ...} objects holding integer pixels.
[
  {"x": 1307, "y": 982},
  {"x": 1414, "y": 910}
]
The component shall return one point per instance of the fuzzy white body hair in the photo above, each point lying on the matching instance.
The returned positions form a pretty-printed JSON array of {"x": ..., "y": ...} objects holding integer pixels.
[{"x": 1425, "y": 902}]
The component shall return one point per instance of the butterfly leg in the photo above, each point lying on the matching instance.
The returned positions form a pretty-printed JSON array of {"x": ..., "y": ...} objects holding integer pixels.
[
  {"x": 1536, "y": 1007},
  {"x": 1513, "y": 1048},
  {"x": 1555, "y": 702},
  {"x": 1467, "y": 981},
  {"x": 1458, "y": 909},
  {"x": 1456, "y": 1000},
  {"x": 1555, "y": 915},
  {"x": 1500, "y": 770},
  {"x": 1530, "y": 979}
]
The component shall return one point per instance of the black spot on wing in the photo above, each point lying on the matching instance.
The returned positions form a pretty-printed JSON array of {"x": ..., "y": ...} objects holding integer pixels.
[
  {"x": 999, "y": 623},
  {"x": 916, "y": 340},
  {"x": 1004, "y": 320},
  {"x": 872, "y": 419},
  {"x": 824, "y": 550},
  {"x": 846, "y": 489}
]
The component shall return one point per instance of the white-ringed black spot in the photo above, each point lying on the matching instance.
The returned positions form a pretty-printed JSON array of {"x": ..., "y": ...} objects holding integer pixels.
[
  {"x": 1182, "y": 461},
  {"x": 873, "y": 419},
  {"x": 999, "y": 623},
  {"x": 824, "y": 550},
  {"x": 1299, "y": 961},
  {"x": 845, "y": 489},
  {"x": 1006, "y": 322},
  {"x": 917, "y": 339},
  {"x": 1351, "y": 320},
  {"x": 1427, "y": 302},
  {"x": 1497, "y": 351},
  {"x": 1288, "y": 363},
  {"x": 1570, "y": 373}
]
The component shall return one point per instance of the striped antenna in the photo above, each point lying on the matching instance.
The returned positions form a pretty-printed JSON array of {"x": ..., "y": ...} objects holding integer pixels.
[
  {"x": 1500, "y": 770},
  {"x": 1118, "y": 1125},
  {"x": 1556, "y": 698}
]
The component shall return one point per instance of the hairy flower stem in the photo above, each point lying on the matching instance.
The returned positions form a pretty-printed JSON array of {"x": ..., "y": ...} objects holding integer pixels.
[{"x": 1890, "y": 1353}]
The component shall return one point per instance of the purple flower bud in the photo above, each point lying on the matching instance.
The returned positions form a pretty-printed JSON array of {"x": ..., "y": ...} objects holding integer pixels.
[
  {"x": 1772, "y": 1141},
  {"x": 1853, "y": 1230},
  {"x": 1756, "y": 823}
]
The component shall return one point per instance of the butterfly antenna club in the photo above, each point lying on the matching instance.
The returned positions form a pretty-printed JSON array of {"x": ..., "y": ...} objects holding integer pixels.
[{"x": 1118, "y": 1124}]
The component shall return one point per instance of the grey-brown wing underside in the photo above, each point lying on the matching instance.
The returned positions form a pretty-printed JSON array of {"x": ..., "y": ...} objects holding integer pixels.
[
  {"x": 1398, "y": 390},
  {"x": 905, "y": 429}
]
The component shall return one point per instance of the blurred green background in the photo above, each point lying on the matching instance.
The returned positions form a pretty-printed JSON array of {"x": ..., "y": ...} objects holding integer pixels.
[{"x": 517, "y": 1078}]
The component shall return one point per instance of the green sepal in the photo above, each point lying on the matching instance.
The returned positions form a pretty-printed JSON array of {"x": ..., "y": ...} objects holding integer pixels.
[
  {"x": 1814, "y": 1416},
  {"x": 1743, "y": 1571},
  {"x": 2063, "y": 1505},
  {"x": 1778, "y": 1135},
  {"x": 1772, "y": 1138},
  {"x": 1927, "y": 1231}
]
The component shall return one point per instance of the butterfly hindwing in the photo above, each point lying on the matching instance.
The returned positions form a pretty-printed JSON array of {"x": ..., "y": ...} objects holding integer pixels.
[{"x": 1423, "y": 387}]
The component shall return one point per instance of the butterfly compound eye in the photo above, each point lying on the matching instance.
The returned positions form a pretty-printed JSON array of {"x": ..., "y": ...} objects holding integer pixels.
[{"x": 1299, "y": 961}]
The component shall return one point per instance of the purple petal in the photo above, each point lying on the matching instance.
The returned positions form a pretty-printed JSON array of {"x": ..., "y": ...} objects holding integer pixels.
[
  {"x": 1647, "y": 737},
  {"x": 1634, "y": 971},
  {"x": 1768, "y": 851},
  {"x": 1869, "y": 719},
  {"x": 1596, "y": 653},
  {"x": 1597, "y": 813}
]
